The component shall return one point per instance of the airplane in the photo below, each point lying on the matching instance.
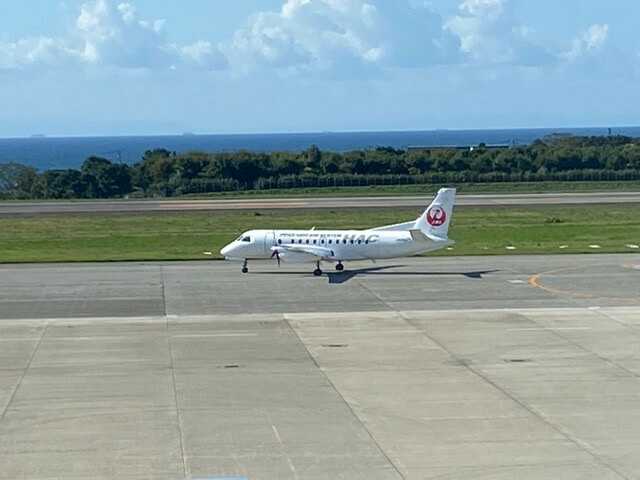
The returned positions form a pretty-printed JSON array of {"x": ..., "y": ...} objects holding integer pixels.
[{"x": 428, "y": 232}]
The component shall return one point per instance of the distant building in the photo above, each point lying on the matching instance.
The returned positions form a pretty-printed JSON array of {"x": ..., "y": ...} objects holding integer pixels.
[{"x": 499, "y": 146}]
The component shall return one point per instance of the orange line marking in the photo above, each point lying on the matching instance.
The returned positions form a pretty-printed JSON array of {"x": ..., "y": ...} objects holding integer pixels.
[{"x": 534, "y": 282}]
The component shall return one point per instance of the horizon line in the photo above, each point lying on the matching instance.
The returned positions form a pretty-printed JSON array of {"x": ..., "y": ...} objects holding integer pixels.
[{"x": 41, "y": 136}]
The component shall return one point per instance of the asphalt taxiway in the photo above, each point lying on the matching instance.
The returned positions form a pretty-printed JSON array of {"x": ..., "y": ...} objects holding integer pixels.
[
  {"x": 473, "y": 367},
  {"x": 324, "y": 202}
]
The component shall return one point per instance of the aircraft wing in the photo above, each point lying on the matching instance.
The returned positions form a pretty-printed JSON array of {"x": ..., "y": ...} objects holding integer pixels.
[{"x": 319, "y": 252}]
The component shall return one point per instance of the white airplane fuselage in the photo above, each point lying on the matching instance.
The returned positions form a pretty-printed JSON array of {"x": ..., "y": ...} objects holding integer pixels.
[
  {"x": 341, "y": 245},
  {"x": 427, "y": 232}
]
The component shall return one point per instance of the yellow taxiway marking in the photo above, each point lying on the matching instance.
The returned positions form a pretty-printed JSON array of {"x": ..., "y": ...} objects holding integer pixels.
[
  {"x": 534, "y": 282},
  {"x": 635, "y": 266}
]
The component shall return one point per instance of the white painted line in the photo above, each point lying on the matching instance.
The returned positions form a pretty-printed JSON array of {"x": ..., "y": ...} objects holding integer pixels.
[
  {"x": 562, "y": 247},
  {"x": 516, "y": 281},
  {"x": 510, "y": 248},
  {"x": 449, "y": 248},
  {"x": 292, "y": 468},
  {"x": 275, "y": 432},
  {"x": 570, "y": 328},
  {"x": 207, "y": 253},
  {"x": 631, "y": 245},
  {"x": 595, "y": 246},
  {"x": 398, "y": 332},
  {"x": 22, "y": 339},
  {"x": 542, "y": 329},
  {"x": 289, "y": 462},
  {"x": 86, "y": 339},
  {"x": 215, "y": 335}
]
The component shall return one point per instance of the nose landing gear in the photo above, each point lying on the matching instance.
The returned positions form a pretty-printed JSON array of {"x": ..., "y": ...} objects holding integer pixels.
[
  {"x": 317, "y": 272},
  {"x": 244, "y": 267},
  {"x": 339, "y": 267}
]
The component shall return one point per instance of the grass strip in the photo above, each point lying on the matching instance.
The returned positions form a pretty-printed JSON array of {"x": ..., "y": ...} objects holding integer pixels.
[
  {"x": 463, "y": 188},
  {"x": 185, "y": 236},
  {"x": 399, "y": 190}
]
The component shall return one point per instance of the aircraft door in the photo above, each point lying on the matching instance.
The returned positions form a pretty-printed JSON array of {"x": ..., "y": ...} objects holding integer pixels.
[{"x": 269, "y": 241}]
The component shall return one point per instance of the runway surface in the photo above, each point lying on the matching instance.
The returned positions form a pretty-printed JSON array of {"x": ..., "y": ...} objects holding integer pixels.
[
  {"x": 156, "y": 206},
  {"x": 474, "y": 367}
]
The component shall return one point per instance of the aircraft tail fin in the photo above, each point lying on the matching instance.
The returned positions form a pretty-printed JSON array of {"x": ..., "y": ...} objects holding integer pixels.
[{"x": 434, "y": 222}]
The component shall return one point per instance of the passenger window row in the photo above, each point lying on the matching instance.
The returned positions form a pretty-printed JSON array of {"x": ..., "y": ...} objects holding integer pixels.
[{"x": 322, "y": 241}]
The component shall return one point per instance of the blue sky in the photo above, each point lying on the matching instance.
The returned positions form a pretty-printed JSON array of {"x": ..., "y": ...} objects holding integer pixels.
[{"x": 100, "y": 67}]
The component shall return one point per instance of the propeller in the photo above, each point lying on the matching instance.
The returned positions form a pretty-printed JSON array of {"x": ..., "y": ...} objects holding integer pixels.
[{"x": 276, "y": 254}]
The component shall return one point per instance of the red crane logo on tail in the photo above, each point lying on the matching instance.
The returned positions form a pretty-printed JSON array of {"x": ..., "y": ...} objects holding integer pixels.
[{"x": 436, "y": 216}]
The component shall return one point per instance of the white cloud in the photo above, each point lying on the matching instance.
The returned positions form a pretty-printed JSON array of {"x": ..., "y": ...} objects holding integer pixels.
[
  {"x": 118, "y": 37},
  {"x": 129, "y": 13},
  {"x": 307, "y": 34},
  {"x": 596, "y": 35},
  {"x": 414, "y": 35},
  {"x": 594, "y": 53},
  {"x": 342, "y": 37},
  {"x": 32, "y": 51},
  {"x": 591, "y": 41},
  {"x": 349, "y": 34},
  {"x": 203, "y": 54},
  {"x": 106, "y": 34},
  {"x": 489, "y": 33}
]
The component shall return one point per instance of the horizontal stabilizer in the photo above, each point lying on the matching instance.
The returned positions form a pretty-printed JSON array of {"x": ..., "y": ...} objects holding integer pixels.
[
  {"x": 419, "y": 236},
  {"x": 396, "y": 227}
]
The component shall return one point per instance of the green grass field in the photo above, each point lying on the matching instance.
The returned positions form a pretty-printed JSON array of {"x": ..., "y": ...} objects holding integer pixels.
[
  {"x": 398, "y": 190},
  {"x": 185, "y": 236}
]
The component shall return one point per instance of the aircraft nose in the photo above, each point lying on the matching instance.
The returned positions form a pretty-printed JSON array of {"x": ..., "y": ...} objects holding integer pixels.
[{"x": 225, "y": 250}]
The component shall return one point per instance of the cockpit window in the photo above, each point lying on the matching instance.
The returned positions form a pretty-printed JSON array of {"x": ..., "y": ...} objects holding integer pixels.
[{"x": 246, "y": 239}]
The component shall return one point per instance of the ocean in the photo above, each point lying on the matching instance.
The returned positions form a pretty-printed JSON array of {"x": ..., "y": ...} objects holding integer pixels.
[{"x": 46, "y": 153}]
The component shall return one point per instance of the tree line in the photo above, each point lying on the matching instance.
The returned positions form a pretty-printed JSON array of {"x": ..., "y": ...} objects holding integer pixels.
[{"x": 163, "y": 173}]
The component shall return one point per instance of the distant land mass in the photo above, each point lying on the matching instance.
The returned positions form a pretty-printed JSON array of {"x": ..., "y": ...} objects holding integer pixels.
[{"x": 46, "y": 153}]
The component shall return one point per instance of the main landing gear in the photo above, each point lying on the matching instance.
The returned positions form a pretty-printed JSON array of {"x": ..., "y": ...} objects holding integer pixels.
[{"x": 317, "y": 272}]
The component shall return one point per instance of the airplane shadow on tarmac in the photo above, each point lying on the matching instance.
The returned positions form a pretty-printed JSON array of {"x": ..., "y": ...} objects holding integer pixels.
[{"x": 346, "y": 275}]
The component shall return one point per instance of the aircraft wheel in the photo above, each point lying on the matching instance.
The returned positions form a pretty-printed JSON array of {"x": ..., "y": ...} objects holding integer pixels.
[
  {"x": 245, "y": 270},
  {"x": 339, "y": 267},
  {"x": 317, "y": 272}
]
